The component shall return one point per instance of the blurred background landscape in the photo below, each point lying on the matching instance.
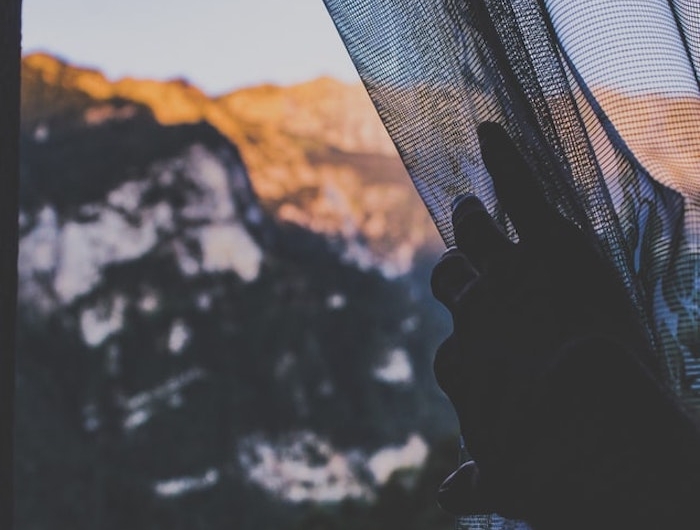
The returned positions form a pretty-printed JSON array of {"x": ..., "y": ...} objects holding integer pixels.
[{"x": 224, "y": 317}]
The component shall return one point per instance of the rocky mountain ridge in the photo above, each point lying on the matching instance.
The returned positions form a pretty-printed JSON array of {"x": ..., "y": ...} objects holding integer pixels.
[
  {"x": 317, "y": 153},
  {"x": 187, "y": 357}
]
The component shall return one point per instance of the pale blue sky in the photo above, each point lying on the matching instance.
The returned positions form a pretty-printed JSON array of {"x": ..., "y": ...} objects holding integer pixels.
[
  {"x": 225, "y": 44},
  {"x": 217, "y": 44}
]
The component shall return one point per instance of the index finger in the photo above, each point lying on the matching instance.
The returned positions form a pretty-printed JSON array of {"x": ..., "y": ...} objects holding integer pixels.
[{"x": 516, "y": 187}]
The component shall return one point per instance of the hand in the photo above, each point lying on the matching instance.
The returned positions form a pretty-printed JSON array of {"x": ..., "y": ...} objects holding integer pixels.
[{"x": 553, "y": 406}]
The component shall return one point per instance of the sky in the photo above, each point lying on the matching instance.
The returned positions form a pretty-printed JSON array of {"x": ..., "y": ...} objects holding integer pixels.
[{"x": 219, "y": 45}]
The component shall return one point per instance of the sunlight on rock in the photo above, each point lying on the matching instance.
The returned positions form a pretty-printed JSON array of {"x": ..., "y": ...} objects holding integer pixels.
[
  {"x": 212, "y": 200},
  {"x": 187, "y": 263},
  {"x": 358, "y": 254},
  {"x": 127, "y": 197},
  {"x": 99, "y": 322},
  {"x": 301, "y": 467},
  {"x": 149, "y": 302},
  {"x": 38, "y": 250},
  {"x": 142, "y": 406},
  {"x": 204, "y": 301},
  {"x": 396, "y": 367},
  {"x": 136, "y": 418},
  {"x": 163, "y": 216},
  {"x": 38, "y": 258},
  {"x": 87, "y": 247},
  {"x": 399, "y": 261},
  {"x": 180, "y": 486},
  {"x": 336, "y": 301},
  {"x": 165, "y": 390},
  {"x": 228, "y": 247},
  {"x": 390, "y": 459},
  {"x": 179, "y": 337}
]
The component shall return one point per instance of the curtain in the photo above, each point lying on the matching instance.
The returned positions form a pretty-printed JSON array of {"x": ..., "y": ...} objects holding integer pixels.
[{"x": 603, "y": 99}]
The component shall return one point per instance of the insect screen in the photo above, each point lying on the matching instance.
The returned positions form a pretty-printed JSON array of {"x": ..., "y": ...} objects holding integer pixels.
[{"x": 603, "y": 100}]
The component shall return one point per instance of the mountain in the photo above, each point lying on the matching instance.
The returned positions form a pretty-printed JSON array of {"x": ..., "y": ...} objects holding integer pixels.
[
  {"x": 190, "y": 355},
  {"x": 317, "y": 153}
]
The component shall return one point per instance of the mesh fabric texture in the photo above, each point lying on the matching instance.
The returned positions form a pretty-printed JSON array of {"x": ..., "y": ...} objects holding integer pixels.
[{"x": 603, "y": 99}]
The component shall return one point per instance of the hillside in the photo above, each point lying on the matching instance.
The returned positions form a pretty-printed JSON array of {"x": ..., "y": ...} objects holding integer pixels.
[
  {"x": 317, "y": 153},
  {"x": 189, "y": 358}
]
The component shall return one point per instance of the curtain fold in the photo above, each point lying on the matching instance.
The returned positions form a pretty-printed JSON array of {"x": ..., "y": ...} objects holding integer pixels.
[{"x": 603, "y": 100}]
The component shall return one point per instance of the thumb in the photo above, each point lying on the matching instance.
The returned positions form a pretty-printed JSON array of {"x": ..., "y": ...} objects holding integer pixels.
[{"x": 476, "y": 233}]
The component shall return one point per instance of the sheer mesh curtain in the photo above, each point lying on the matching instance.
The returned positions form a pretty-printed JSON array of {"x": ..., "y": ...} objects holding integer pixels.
[{"x": 602, "y": 97}]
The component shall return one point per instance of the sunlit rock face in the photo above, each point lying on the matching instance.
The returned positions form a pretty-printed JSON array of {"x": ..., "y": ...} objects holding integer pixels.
[
  {"x": 98, "y": 323},
  {"x": 139, "y": 215},
  {"x": 301, "y": 466},
  {"x": 86, "y": 247},
  {"x": 388, "y": 460},
  {"x": 317, "y": 153},
  {"x": 395, "y": 367}
]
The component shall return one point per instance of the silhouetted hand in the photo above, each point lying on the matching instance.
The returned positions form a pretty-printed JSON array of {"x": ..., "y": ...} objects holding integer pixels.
[{"x": 550, "y": 374}]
